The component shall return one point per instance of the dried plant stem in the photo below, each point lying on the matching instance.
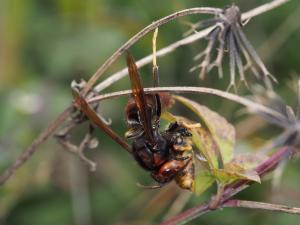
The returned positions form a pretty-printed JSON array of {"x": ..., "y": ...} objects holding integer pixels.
[
  {"x": 172, "y": 47},
  {"x": 142, "y": 33},
  {"x": 263, "y": 8},
  {"x": 267, "y": 166},
  {"x": 234, "y": 203},
  {"x": 35, "y": 144},
  {"x": 253, "y": 106}
]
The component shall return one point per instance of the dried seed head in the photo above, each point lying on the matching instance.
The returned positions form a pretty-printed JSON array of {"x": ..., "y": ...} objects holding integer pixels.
[
  {"x": 227, "y": 36},
  {"x": 232, "y": 15}
]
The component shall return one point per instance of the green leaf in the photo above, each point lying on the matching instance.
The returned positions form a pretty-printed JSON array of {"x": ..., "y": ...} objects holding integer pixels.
[
  {"x": 222, "y": 132},
  {"x": 203, "y": 178}
]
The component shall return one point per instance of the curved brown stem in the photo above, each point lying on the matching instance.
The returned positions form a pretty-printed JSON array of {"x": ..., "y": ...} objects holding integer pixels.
[{"x": 253, "y": 106}]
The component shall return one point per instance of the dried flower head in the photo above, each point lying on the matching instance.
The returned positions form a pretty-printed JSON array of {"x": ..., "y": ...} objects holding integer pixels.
[{"x": 227, "y": 35}]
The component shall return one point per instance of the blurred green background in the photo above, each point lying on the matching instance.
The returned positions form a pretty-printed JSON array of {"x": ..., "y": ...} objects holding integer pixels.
[{"x": 44, "y": 45}]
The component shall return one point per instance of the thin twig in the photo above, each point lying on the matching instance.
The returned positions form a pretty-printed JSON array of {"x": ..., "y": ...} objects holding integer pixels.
[
  {"x": 256, "y": 107},
  {"x": 261, "y": 205},
  {"x": 31, "y": 149},
  {"x": 172, "y": 47},
  {"x": 263, "y": 8}
]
